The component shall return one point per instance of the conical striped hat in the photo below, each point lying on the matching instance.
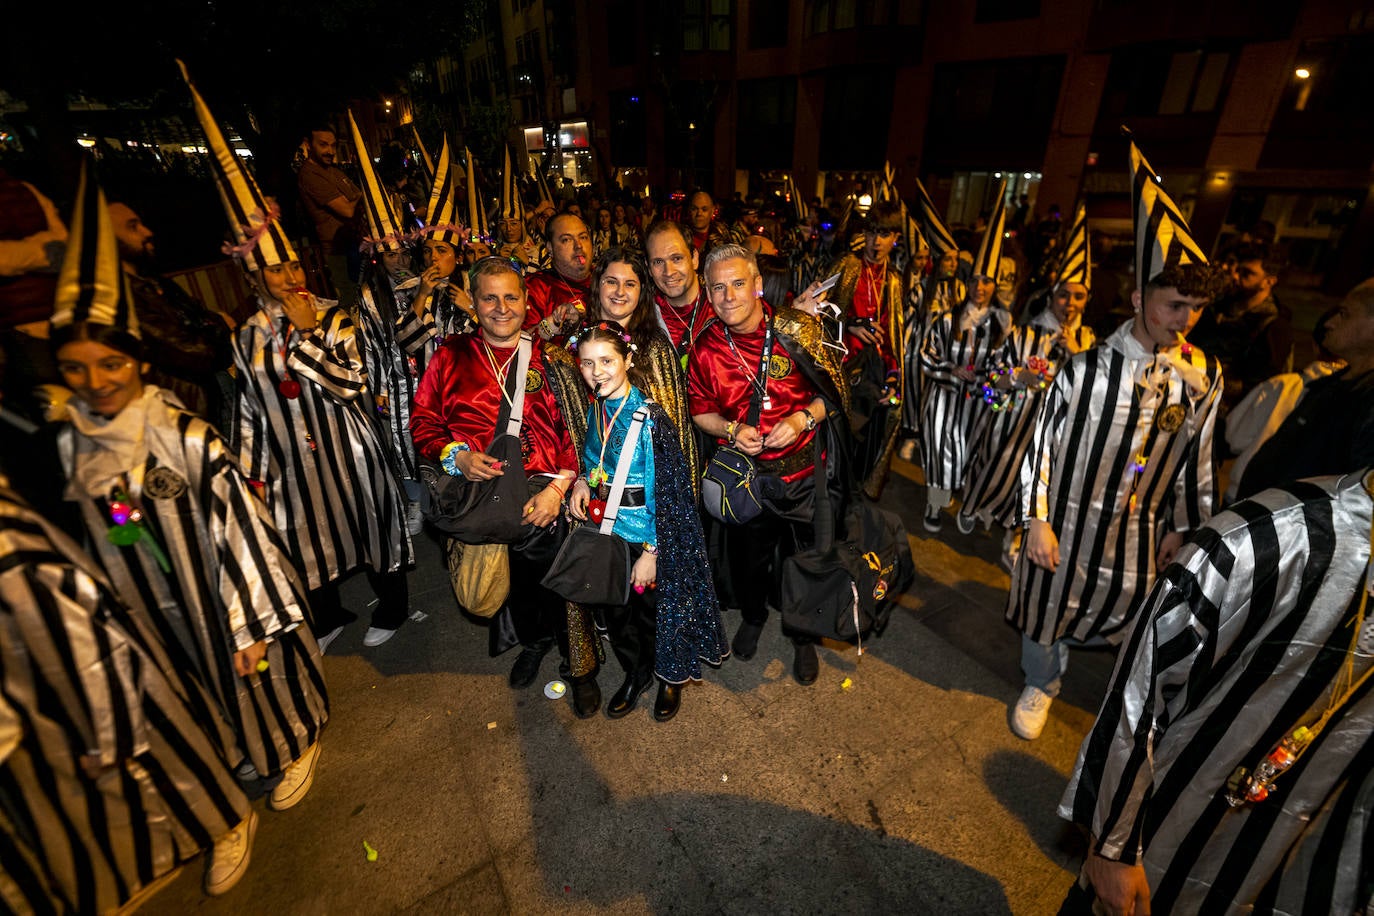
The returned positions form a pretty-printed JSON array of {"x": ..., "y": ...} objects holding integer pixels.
[
  {"x": 544, "y": 196},
  {"x": 92, "y": 286},
  {"x": 799, "y": 207},
  {"x": 477, "y": 215},
  {"x": 384, "y": 228},
  {"x": 443, "y": 222},
  {"x": 259, "y": 239},
  {"x": 1075, "y": 266},
  {"x": 988, "y": 262},
  {"x": 425, "y": 160},
  {"x": 512, "y": 204},
  {"x": 937, "y": 234},
  {"x": 1162, "y": 236}
]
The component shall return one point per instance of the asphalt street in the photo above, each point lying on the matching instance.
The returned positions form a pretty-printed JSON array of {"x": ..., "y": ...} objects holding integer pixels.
[{"x": 891, "y": 785}]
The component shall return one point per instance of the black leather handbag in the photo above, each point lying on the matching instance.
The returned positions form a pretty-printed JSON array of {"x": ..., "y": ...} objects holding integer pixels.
[
  {"x": 593, "y": 565},
  {"x": 731, "y": 483},
  {"x": 486, "y": 511}
]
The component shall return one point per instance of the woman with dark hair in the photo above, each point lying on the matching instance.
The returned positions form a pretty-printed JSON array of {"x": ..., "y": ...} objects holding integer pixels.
[
  {"x": 622, "y": 292},
  {"x": 186, "y": 543},
  {"x": 672, "y": 621}
]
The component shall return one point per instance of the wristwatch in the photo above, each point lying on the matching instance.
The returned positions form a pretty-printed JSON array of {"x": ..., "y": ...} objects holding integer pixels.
[{"x": 810, "y": 419}]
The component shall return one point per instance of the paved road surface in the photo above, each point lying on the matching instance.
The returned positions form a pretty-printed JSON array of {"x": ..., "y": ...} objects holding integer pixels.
[{"x": 905, "y": 793}]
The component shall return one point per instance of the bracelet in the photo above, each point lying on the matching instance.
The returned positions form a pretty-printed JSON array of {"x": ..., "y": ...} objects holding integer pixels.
[
  {"x": 730, "y": 430},
  {"x": 650, "y": 549},
  {"x": 448, "y": 458}
]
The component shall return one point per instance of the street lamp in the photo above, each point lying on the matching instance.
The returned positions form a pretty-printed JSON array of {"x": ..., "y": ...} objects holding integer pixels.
[{"x": 1302, "y": 73}]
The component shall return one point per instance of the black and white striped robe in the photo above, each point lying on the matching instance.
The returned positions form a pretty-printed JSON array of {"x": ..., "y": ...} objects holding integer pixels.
[
  {"x": 77, "y": 677},
  {"x": 420, "y": 335},
  {"x": 232, "y": 584},
  {"x": 1239, "y": 642},
  {"x": 1003, "y": 437},
  {"x": 952, "y": 406},
  {"x": 319, "y": 456},
  {"x": 393, "y": 373},
  {"x": 1077, "y": 476}
]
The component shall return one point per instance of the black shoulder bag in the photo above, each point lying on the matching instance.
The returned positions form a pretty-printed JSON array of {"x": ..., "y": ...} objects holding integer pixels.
[
  {"x": 486, "y": 511},
  {"x": 730, "y": 483}
]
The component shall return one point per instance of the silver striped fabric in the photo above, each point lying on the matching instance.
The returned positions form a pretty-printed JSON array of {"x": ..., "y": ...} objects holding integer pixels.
[
  {"x": 76, "y": 675},
  {"x": 1003, "y": 437},
  {"x": 1239, "y": 642},
  {"x": 952, "y": 406},
  {"x": 232, "y": 584},
  {"x": 336, "y": 503},
  {"x": 392, "y": 371},
  {"x": 1078, "y": 477}
]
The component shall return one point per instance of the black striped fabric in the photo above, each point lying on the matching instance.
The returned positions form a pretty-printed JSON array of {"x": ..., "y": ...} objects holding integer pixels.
[{"x": 1240, "y": 641}]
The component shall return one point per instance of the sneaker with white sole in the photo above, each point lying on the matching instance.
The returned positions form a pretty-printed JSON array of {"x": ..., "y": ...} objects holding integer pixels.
[
  {"x": 1031, "y": 712},
  {"x": 931, "y": 519},
  {"x": 375, "y": 636},
  {"x": 229, "y": 857},
  {"x": 296, "y": 780},
  {"x": 966, "y": 523},
  {"x": 907, "y": 450},
  {"x": 328, "y": 638}
]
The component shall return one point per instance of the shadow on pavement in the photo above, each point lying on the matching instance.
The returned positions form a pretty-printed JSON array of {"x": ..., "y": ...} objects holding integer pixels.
[{"x": 1018, "y": 780}]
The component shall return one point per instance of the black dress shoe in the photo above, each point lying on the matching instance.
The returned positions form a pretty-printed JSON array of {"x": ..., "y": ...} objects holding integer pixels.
[
  {"x": 669, "y": 699},
  {"x": 586, "y": 697},
  {"x": 746, "y": 641},
  {"x": 627, "y": 697},
  {"x": 526, "y": 667},
  {"x": 805, "y": 665}
]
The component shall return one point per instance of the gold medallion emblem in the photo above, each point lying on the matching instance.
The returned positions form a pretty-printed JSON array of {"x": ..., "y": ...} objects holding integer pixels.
[
  {"x": 533, "y": 381},
  {"x": 163, "y": 483},
  {"x": 779, "y": 367},
  {"x": 1170, "y": 419}
]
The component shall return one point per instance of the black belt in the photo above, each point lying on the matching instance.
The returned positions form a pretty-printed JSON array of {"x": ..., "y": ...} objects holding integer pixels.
[
  {"x": 787, "y": 465},
  {"x": 631, "y": 497}
]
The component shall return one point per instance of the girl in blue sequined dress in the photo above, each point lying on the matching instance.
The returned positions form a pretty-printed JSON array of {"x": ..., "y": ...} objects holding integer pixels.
[{"x": 672, "y": 621}]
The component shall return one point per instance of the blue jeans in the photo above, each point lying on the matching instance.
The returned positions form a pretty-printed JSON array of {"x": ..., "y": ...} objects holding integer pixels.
[{"x": 1044, "y": 666}]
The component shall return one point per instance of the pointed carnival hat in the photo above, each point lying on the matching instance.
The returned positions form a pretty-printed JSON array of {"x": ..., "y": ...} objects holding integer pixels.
[
  {"x": 512, "y": 204},
  {"x": 382, "y": 225},
  {"x": 911, "y": 231},
  {"x": 259, "y": 239},
  {"x": 799, "y": 207},
  {"x": 477, "y": 216},
  {"x": 543, "y": 184},
  {"x": 92, "y": 286},
  {"x": 1075, "y": 265},
  {"x": 425, "y": 161},
  {"x": 1162, "y": 236},
  {"x": 933, "y": 228},
  {"x": 988, "y": 262},
  {"x": 443, "y": 225}
]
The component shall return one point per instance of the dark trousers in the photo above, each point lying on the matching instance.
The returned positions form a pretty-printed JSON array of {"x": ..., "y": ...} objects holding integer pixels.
[
  {"x": 756, "y": 551},
  {"x": 632, "y": 628},
  {"x": 393, "y": 603},
  {"x": 538, "y": 614}
]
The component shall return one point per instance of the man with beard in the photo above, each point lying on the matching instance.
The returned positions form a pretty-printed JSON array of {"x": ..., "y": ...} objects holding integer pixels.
[
  {"x": 558, "y": 296},
  {"x": 679, "y": 297},
  {"x": 187, "y": 346},
  {"x": 331, "y": 200}
]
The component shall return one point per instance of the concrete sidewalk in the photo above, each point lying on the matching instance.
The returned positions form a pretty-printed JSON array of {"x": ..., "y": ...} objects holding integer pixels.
[{"x": 902, "y": 793}]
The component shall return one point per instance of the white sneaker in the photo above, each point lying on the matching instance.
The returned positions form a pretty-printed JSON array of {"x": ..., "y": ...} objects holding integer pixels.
[
  {"x": 931, "y": 520},
  {"x": 966, "y": 523},
  {"x": 375, "y": 636},
  {"x": 415, "y": 519},
  {"x": 328, "y": 638},
  {"x": 1031, "y": 712},
  {"x": 296, "y": 780},
  {"x": 229, "y": 857}
]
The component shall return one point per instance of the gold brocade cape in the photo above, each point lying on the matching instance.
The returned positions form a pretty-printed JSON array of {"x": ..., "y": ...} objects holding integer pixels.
[
  {"x": 802, "y": 335},
  {"x": 850, "y": 267}
]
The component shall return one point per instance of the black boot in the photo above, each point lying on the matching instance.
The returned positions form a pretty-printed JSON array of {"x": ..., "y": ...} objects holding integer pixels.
[
  {"x": 669, "y": 699},
  {"x": 627, "y": 697},
  {"x": 746, "y": 641},
  {"x": 805, "y": 665},
  {"x": 586, "y": 697},
  {"x": 526, "y": 667}
]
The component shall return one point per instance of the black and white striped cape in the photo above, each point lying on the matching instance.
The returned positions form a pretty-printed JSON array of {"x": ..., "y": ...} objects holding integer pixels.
[
  {"x": 420, "y": 335},
  {"x": 76, "y": 677},
  {"x": 391, "y": 371},
  {"x": 952, "y": 406},
  {"x": 232, "y": 584},
  {"x": 1240, "y": 641},
  {"x": 1002, "y": 437},
  {"x": 1078, "y": 477},
  {"x": 326, "y": 477}
]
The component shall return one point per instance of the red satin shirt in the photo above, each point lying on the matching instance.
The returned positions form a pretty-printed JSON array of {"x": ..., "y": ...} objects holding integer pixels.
[
  {"x": 459, "y": 400},
  {"x": 717, "y": 382},
  {"x": 676, "y": 321},
  {"x": 549, "y": 289},
  {"x": 868, "y": 303}
]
